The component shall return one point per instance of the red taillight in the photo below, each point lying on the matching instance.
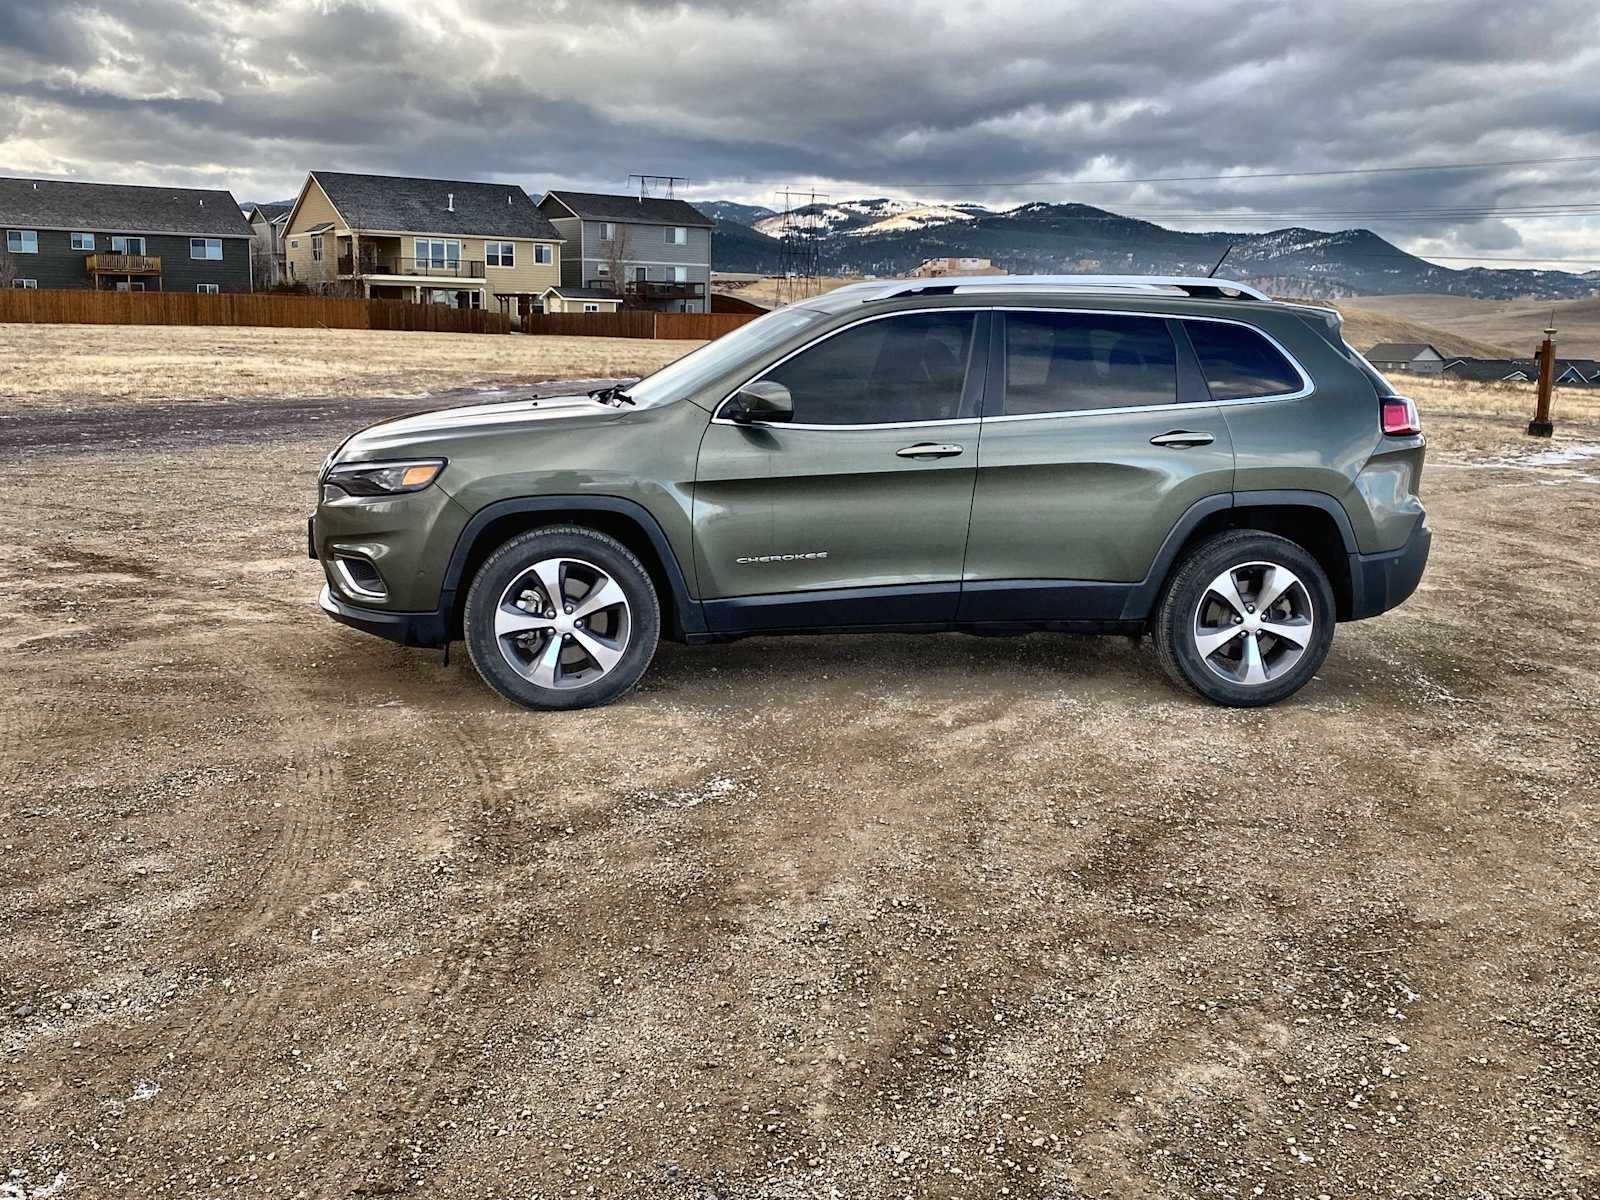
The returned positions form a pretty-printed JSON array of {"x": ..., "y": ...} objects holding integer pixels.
[{"x": 1400, "y": 416}]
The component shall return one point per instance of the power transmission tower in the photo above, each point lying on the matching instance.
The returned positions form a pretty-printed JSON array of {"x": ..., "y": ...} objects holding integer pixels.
[
  {"x": 648, "y": 184},
  {"x": 800, "y": 237}
]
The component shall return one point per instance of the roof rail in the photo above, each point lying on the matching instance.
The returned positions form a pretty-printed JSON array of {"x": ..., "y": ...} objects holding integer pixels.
[{"x": 1199, "y": 287}]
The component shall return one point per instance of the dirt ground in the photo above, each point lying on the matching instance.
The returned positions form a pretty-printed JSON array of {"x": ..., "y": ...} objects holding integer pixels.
[
  {"x": 289, "y": 911},
  {"x": 55, "y": 367}
]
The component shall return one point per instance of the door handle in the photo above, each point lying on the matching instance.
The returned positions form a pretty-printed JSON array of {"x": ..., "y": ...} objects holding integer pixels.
[
  {"x": 929, "y": 450},
  {"x": 1181, "y": 438}
]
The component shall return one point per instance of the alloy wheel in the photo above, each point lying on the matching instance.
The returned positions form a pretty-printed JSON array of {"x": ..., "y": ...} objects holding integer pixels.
[
  {"x": 1253, "y": 623},
  {"x": 563, "y": 623}
]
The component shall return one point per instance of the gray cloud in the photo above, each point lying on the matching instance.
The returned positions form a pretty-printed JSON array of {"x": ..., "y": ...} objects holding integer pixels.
[{"x": 910, "y": 97}]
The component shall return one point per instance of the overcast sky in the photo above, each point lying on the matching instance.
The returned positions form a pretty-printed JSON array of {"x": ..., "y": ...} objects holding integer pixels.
[{"x": 969, "y": 100}]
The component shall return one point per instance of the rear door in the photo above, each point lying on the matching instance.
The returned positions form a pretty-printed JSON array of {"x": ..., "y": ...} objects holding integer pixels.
[
  {"x": 855, "y": 511},
  {"x": 1098, "y": 434}
]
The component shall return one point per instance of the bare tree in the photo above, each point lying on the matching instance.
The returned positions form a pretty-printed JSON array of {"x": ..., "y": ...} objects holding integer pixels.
[
  {"x": 8, "y": 269},
  {"x": 614, "y": 254}
]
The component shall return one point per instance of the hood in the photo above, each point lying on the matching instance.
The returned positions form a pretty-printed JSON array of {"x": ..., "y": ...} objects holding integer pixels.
[{"x": 414, "y": 433}]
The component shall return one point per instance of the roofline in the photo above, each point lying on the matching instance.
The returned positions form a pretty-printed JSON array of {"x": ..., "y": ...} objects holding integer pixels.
[
  {"x": 514, "y": 237},
  {"x": 701, "y": 224},
  {"x": 133, "y": 231}
]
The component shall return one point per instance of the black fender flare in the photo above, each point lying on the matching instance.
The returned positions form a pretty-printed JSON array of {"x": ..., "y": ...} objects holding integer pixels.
[
  {"x": 689, "y": 619},
  {"x": 1142, "y": 598}
]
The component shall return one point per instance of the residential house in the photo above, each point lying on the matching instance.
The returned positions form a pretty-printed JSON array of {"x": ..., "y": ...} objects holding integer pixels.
[
  {"x": 935, "y": 267},
  {"x": 111, "y": 236},
  {"x": 580, "y": 300},
  {"x": 267, "y": 223},
  {"x": 1406, "y": 356},
  {"x": 438, "y": 241},
  {"x": 650, "y": 251},
  {"x": 1569, "y": 372}
]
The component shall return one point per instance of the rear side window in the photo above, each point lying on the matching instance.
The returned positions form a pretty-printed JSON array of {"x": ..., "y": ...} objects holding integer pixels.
[
  {"x": 909, "y": 368},
  {"x": 1069, "y": 362},
  {"x": 1240, "y": 363}
]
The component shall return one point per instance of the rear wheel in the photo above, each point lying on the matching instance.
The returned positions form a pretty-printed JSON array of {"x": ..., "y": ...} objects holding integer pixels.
[
  {"x": 1246, "y": 620},
  {"x": 562, "y": 618}
]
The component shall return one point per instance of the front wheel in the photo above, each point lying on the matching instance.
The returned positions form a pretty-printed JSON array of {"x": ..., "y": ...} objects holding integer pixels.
[
  {"x": 562, "y": 618},
  {"x": 1246, "y": 620}
]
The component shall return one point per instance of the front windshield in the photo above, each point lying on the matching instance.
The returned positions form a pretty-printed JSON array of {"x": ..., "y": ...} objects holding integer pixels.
[{"x": 694, "y": 370}]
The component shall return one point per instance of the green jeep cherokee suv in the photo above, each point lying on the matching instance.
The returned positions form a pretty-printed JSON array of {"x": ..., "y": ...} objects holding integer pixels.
[{"x": 996, "y": 455}]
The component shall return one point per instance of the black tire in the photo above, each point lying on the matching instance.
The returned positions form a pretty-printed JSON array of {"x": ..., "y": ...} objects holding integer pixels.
[
  {"x": 1178, "y": 624},
  {"x": 512, "y": 563}
]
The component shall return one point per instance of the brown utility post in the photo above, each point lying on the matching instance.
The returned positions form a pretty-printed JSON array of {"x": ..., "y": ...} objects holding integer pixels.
[{"x": 1541, "y": 425}]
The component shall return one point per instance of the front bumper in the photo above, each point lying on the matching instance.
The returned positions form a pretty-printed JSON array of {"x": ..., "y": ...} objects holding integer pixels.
[
  {"x": 1379, "y": 582},
  {"x": 407, "y": 628}
]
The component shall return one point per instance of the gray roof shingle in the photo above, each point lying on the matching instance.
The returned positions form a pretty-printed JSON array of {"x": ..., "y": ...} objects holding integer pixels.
[
  {"x": 1398, "y": 351},
  {"x": 599, "y": 206},
  {"x": 118, "y": 208},
  {"x": 582, "y": 293},
  {"x": 398, "y": 204}
]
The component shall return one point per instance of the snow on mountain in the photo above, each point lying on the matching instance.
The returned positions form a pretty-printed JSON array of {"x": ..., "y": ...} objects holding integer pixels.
[{"x": 870, "y": 216}]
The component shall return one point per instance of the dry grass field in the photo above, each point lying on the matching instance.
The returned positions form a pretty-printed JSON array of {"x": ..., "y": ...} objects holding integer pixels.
[
  {"x": 288, "y": 911},
  {"x": 57, "y": 366},
  {"x": 1514, "y": 324}
]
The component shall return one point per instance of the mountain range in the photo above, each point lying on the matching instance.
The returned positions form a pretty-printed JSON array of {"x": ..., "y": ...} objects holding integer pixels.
[{"x": 883, "y": 236}]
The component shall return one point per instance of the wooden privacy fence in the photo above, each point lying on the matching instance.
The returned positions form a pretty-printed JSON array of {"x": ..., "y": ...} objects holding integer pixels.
[
  {"x": 85, "y": 307},
  {"x": 635, "y": 323}
]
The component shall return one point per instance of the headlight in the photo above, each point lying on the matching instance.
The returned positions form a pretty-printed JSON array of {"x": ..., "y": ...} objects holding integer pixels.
[{"x": 384, "y": 478}]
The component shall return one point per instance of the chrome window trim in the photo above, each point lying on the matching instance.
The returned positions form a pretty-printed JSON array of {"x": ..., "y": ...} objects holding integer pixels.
[
  {"x": 718, "y": 419},
  {"x": 1307, "y": 385}
]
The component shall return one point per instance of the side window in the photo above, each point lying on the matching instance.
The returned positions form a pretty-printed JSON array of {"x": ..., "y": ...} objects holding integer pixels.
[
  {"x": 1239, "y": 363},
  {"x": 905, "y": 368},
  {"x": 1069, "y": 362}
]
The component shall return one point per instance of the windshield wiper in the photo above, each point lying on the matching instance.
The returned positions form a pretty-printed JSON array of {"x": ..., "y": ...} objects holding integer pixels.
[{"x": 616, "y": 395}]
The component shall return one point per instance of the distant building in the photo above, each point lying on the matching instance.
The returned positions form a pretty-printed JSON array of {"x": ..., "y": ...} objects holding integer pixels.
[
  {"x": 1406, "y": 356},
  {"x": 1569, "y": 372},
  {"x": 936, "y": 267},
  {"x": 119, "y": 237},
  {"x": 267, "y": 222},
  {"x": 563, "y": 299},
  {"x": 650, "y": 252},
  {"x": 433, "y": 241}
]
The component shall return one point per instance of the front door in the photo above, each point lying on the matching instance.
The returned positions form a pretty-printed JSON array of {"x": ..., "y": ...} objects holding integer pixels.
[
  {"x": 854, "y": 512},
  {"x": 1099, "y": 434}
]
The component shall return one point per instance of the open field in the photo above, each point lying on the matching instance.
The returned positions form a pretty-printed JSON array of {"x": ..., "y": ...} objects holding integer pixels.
[
  {"x": 1515, "y": 324},
  {"x": 56, "y": 366},
  {"x": 289, "y": 911}
]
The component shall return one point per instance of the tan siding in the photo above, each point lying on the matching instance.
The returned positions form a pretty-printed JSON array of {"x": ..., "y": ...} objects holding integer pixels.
[
  {"x": 315, "y": 208},
  {"x": 527, "y": 275}
]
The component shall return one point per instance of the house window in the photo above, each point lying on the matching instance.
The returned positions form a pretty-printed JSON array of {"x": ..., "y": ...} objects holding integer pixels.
[
  {"x": 127, "y": 245},
  {"x": 680, "y": 274},
  {"x": 438, "y": 255},
  {"x": 22, "y": 241},
  {"x": 677, "y": 235},
  {"x": 608, "y": 231},
  {"x": 500, "y": 254},
  {"x": 25, "y": 283},
  {"x": 591, "y": 308},
  {"x": 207, "y": 289},
  {"x": 83, "y": 241},
  {"x": 602, "y": 268},
  {"x": 205, "y": 248},
  {"x": 541, "y": 254},
  {"x": 316, "y": 247},
  {"x": 294, "y": 243},
  {"x": 126, "y": 286}
]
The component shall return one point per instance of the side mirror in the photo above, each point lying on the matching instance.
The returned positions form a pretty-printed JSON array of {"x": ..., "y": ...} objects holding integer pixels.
[{"x": 764, "y": 400}]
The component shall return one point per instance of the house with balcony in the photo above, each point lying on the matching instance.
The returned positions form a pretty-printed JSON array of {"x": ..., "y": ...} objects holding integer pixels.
[
  {"x": 649, "y": 252},
  {"x": 61, "y": 233},
  {"x": 430, "y": 241}
]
